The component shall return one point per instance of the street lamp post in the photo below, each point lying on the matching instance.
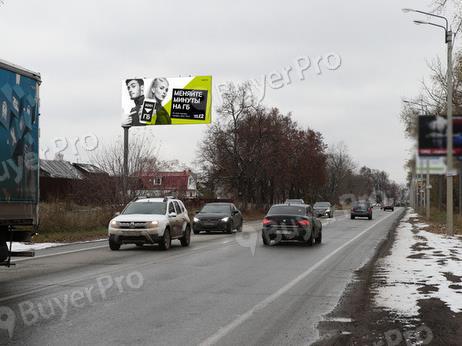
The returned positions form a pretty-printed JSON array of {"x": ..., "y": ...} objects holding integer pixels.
[{"x": 449, "y": 175}]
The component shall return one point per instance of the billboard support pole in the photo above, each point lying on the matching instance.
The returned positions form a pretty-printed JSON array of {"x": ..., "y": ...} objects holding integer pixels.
[
  {"x": 460, "y": 188},
  {"x": 125, "y": 164},
  {"x": 427, "y": 190},
  {"x": 449, "y": 191}
]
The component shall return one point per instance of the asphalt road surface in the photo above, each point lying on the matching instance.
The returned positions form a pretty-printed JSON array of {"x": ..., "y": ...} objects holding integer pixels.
[{"x": 225, "y": 289}]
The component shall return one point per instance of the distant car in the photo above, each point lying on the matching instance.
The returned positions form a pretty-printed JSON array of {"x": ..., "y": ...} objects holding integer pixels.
[
  {"x": 389, "y": 206},
  {"x": 291, "y": 222},
  {"x": 323, "y": 209},
  {"x": 294, "y": 201},
  {"x": 218, "y": 217},
  {"x": 361, "y": 209},
  {"x": 150, "y": 221}
]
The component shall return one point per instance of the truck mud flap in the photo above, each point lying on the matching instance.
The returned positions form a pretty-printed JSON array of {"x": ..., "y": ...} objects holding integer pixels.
[{"x": 6, "y": 242}]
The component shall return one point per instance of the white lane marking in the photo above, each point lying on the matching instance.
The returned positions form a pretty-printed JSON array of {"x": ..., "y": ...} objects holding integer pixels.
[{"x": 222, "y": 332}]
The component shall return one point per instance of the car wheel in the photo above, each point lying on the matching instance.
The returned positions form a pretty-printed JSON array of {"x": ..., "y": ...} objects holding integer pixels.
[
  {"x": 196, "y": 231},
  {"x": 318, "y": 239},
  {"x": 239, "y": 229},
  {"x": 230, "y": 228},
  {"x": 266, "y": 239},
  {"x": 165, "y": 240},
  {"x": 352, "y": 217},
  {"x": 114, "y": 245},
  {"x": 392, "y": 209},
  {"x": 310, "y": 240},
  {"x": 370, "y": 217},
  {"x": 186, "y": 238},
  {"x": 139, "y": 245}
]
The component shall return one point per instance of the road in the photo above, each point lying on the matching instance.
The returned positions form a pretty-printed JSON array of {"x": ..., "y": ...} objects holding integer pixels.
[{"x": 226, "y": 289}]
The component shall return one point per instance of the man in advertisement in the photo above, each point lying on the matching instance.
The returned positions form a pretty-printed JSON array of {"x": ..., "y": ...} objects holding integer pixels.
[{"x": 136, "y": 92}]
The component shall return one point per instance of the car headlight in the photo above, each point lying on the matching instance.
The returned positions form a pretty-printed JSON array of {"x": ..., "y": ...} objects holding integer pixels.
[
  {"x": 195, "y": 219},
  {"x": 155, "y": 223},
  {"x": 327, "y": 211},
  {"x": 114, "y": 224},
  {"x": 225, "y": 219}
]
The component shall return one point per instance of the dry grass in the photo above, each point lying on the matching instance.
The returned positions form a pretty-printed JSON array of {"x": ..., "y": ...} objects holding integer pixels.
[
  {"x": 70, "y": 236},
  {"x": 437, "y": 221},
  {"x": 67, "y": 222}
]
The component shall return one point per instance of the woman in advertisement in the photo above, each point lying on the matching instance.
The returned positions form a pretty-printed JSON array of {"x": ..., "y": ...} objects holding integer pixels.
[{"x": 158, "y": 91}]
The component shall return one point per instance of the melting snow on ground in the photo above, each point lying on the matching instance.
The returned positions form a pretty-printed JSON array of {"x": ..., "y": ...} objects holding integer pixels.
[
  {"x": 422, "y": 265},
  {"x": 36, "y": 246}
]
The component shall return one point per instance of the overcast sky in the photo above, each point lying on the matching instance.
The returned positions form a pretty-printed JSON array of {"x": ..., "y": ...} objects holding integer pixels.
[{"x": 83, "y": 49}]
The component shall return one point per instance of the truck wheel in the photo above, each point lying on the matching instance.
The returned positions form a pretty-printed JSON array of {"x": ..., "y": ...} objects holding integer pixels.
[
  {"x": 114, "y": 245},
  {"x": 165, "y": 241},
  {"x": 186, "y": 238},
  {"x": 3, "y": 251}
]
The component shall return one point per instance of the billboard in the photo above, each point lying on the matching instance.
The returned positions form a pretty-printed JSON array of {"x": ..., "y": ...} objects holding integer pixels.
[
  {"x": 432, "y": 136},
  {"x": 436, "y": 165},
  {"x": 166, "y": 101}
]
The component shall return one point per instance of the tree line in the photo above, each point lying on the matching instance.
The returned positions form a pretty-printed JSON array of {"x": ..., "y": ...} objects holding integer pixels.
[{"x": 259, "y": 156}]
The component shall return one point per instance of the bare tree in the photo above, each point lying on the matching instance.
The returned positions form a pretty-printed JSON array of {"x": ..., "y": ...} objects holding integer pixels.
[{"x": 142, "y": 159}]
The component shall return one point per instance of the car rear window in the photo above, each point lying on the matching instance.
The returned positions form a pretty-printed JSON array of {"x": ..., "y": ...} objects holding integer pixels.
[
  {"x": 360, "y": 205},
  {"x": 157, "y": 208},
  {"x": 287, "y": 210},
  {"x": 322, "y": 204},
  {"x": 216, "y": 208}
]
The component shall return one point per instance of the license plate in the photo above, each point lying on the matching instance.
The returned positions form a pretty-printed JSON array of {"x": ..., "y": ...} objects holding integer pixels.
[
  {"x": 284, "y": 232},
  {"x": 132, "y": 233}
]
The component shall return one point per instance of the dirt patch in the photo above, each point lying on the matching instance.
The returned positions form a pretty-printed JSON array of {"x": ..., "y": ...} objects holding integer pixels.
[
  {"x": 444, "y": 324},
  {"x": 455, "y": 287},
  {"x": 428, "y": 289},
  {"x": 421, "y": 247},
  {"x": 453, "y": 278},
  {"x": 417, "y": 256}
]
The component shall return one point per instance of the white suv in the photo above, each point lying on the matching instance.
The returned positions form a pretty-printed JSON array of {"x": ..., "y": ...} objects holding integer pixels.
[{"x": 150, "y": 221}]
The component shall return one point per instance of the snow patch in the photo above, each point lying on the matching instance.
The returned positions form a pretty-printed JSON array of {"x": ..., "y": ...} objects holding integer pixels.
[
  {"x": 33, "y": 247},
  {"x": 421, "y": 276}
]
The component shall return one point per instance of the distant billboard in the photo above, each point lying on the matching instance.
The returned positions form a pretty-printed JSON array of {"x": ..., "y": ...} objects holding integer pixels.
[
  {"x": 166, "y": 101},
  {"x": 432, "y": 136},
  {"x": 436, "y": 165}
]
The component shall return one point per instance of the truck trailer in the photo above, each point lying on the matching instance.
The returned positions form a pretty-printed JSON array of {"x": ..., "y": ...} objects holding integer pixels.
[{"x": 19, "y": 158}]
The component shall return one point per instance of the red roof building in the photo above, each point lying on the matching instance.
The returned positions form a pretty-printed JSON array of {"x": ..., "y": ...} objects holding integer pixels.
[{"x": 158, "y": 184}]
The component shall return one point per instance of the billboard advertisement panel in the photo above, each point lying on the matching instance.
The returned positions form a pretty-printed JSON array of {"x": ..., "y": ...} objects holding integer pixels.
[
  {"x": 166, "y": 101},
  {"x": 436, "y": 165},
  {"x": 432, "y": 136}
]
